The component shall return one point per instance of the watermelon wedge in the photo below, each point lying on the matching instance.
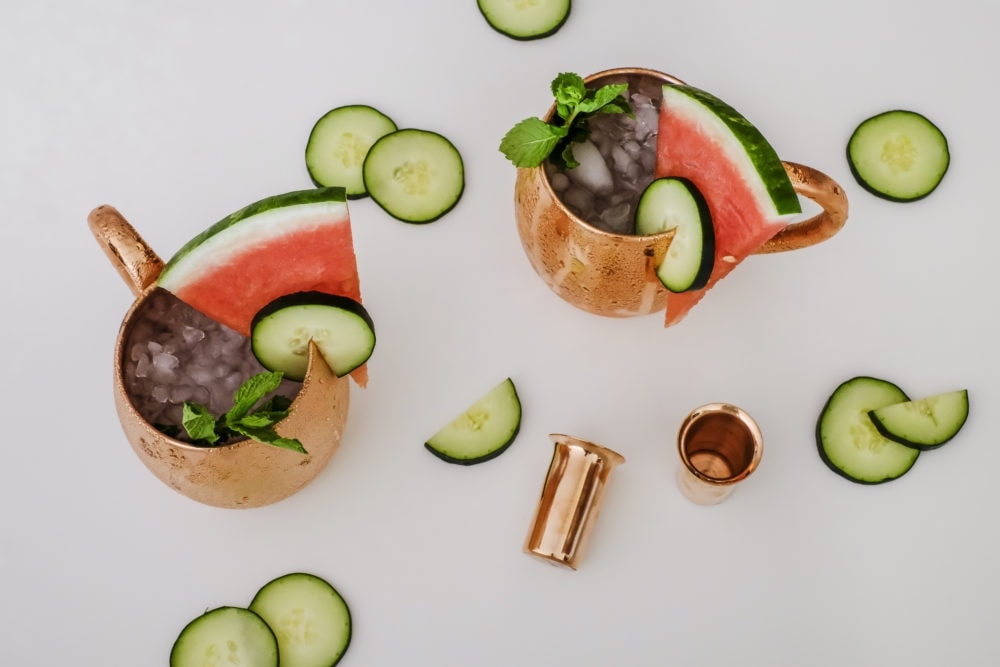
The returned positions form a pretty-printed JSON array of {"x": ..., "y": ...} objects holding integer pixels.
[
  {"x": 294, "y": 242},
  {"x": 749, "y": 194}
]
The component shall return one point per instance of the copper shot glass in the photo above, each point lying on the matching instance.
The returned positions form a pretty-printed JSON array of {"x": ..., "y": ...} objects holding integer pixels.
[
  {"x": 720, "y": 445},
  {"x": 614, "y": 275},
  {"x": 571, "y": 500}
]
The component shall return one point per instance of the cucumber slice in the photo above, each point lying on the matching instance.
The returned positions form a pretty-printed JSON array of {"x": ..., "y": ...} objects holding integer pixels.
[
  {"x": 226, "y": 636},
  {"x": 484, "y": 431},
  {"x": 525, "y": 19},
  {"x": 675, "y": 203},
  {"x": 339, "y": 142},
  {"x": 414, "y": 175},
  {"x": 927, "y": 423},
  {"x": 898, "y": 155},
  {"x": 341, "y": 328},
  {"x": 310, "y": 619},
  {"x": 847, "y": 439}
]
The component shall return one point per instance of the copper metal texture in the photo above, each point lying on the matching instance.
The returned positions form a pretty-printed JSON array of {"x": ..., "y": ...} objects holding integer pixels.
[
  {"x": 570, "y": 500},
  {"x": 719, "y": 445},
  {"x": 614, "y": 275},
  {"x": 242, "y": 474}
]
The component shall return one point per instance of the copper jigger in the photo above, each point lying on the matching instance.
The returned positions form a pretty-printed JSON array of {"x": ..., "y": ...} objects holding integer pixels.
[
  {"x": 720, "y": 445},
  {"x": 242, "y": 474},
  {"x": 571, "y": 499},
  {"x": 615, "y": 274}
]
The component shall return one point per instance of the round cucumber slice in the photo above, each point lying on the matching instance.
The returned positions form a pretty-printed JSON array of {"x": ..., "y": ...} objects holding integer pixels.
[
  {"x": 226, "y": 636},
  {"x": 677, "y": 204},
  {"x": 847, "y": 440},
  {"x": 339, "y": 142},
  {"x": 414, "y": 175},
  {"x": 483, "y": 431},
  {"x": 926, "y": 423},
  {"x": 525, "y": 20},
  {"x": 341, "y": 328},
  {"x": 898, "y": 155},
  {"x": 310, "y": 619}
]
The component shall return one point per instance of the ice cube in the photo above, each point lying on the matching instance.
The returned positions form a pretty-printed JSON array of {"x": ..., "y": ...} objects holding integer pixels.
[{"x": 592, "y": 173}]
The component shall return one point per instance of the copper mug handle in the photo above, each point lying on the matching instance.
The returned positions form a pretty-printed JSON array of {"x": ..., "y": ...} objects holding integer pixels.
[
  {"x": 823, "y": 190},
  {"x": 137, "y": 263}
]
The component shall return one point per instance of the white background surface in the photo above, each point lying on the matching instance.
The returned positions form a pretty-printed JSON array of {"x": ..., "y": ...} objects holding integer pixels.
[{"x": 178, "y": 113}]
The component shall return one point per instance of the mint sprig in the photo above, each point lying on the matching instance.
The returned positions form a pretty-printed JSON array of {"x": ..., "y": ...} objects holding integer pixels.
[
  {"x": 532, "y": 140},
  {"x": 242, "y": 419}
]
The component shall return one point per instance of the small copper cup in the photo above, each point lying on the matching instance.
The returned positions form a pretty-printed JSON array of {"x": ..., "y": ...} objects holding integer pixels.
[
  {"x": 614, "y": 275},
  {"x": 720, "y": 445},
  {"x": 571, "y": 499},
  {"x": 244, "y": 473}
]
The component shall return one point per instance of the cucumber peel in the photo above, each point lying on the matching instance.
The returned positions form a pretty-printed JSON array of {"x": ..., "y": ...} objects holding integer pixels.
[
  {"x": 898, "y": 155},
  {"x": 483, "y": 431},
  {"x": 670, "y": 203},
  {"x": 226, "y": 635},
  {"x": 926, "y": 423},
  {"x": 848, "y": 441},
  {"x": 340, "y": 327}
]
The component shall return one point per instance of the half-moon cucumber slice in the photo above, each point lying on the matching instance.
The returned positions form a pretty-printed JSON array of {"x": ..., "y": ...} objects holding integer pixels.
[{"x": 483, "y": 431}]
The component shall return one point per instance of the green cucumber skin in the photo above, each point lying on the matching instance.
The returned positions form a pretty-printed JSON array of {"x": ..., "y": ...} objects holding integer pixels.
[
  {"x": 441, "y": 212},
  {"x": 707, "y": 265},
  {"x": 527, "y": 38},
  {"x": 312, "y": 299},
  {"x": 922, "y": 446},
  {"x": 350, "y": 197},
  {"x": 349, "y": 620},
  {"x": 762, "y": 155},
  {"x": 863, "y": 182},
  {"x": 830, "y": 464},
  {"x": 177, "y": 651},
  {"x": 468, "y": 461},
  {"x": 479, "y": 459},
  {"x": 296, "y": 198}
]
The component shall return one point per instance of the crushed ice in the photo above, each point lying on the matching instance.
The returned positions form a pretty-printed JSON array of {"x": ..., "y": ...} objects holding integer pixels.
[
  {"x": 176, "y": 354},
  {"x": 616, "y": 163}
]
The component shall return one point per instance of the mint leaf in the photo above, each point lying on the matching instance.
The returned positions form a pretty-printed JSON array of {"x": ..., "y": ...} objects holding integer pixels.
[
  {"x": 529, "y": 142},
  {"x": 203, "y": 428},
  {"x": 254, "y": 389},
  {"x": 268, "y": 436},
  {"x": 276, "y": 403},
  {"x": 199, "y": 423},
  {"x": 532, "y": 140},
  {"x": 255, "y": 420},
  {"x": 568, "y": 89},
  {"x": 603, "y": 96}
]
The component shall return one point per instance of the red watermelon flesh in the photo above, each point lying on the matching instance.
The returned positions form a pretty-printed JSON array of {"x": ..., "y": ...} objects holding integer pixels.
[
  {"x": 741, "y": 177},
  {"x": 296, "y": 242}
]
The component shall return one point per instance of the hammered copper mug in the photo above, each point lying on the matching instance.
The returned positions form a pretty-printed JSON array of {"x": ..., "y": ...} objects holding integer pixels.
[
  {"x": 244, "y": 473},
  {"x": 615, "y": 274}
]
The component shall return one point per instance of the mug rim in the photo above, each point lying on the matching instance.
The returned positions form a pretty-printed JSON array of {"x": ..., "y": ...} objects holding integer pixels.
[{"x": 544, "y": 176}]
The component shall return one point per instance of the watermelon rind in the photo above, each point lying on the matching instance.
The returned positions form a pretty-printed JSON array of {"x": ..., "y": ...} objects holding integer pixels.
[
  {"x": 742, "y": 143},
  {"x": 258, "y": 219}
]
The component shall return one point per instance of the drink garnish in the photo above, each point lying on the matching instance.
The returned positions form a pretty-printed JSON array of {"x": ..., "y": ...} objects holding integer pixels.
[
  {"x": 532, "y": 140},
  {"x": 242, "y": 419}
]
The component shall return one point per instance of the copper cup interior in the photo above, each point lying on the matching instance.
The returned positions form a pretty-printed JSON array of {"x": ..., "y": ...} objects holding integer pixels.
[{"x": 720, "y": 445}]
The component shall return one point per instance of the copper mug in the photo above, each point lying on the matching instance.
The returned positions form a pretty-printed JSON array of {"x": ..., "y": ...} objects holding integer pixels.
[
  {"x": 244, "y": 473},
  {"x": 615, "y": 274}
]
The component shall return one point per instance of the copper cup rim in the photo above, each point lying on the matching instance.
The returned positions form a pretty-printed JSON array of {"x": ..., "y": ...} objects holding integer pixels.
[
  {"x": 609, "y": 455},
  {"x": 239, "y": 443},
  {"x": 741, "y": 415},
  {"x": 544, "y": 177}
]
